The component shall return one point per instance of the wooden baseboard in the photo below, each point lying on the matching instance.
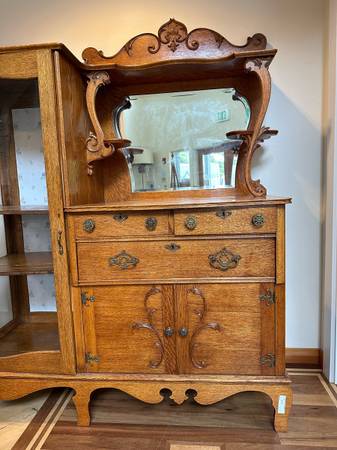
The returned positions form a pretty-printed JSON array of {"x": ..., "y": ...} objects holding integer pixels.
[{"x": 304, "y": 357}]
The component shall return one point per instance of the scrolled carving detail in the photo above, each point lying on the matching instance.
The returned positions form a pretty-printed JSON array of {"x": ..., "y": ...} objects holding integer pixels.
[
  {"x": 201, "y": 313},
  {"x": 154, "y": 364}
]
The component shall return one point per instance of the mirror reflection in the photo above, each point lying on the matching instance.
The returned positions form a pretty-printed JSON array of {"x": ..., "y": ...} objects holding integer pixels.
[{"x": 179, "y": 139}]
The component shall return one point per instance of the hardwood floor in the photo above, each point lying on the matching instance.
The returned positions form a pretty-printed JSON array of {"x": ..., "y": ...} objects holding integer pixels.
[{"x": 242, "y": 422}]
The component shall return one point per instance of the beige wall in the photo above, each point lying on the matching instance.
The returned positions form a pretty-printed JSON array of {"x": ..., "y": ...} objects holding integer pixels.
[{"x": 290, "y": 164}]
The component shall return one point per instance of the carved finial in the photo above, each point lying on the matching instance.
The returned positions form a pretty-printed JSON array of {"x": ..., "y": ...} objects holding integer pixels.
[{"x": 172, "y": 33}]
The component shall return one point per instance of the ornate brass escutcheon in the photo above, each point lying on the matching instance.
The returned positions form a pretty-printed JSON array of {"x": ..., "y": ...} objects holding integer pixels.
[
  {"x": 224, "y": 260},
  {"x": 223, "y": 213},
  {"x": 258, "y": 220},
  {"x": 151, "y": 223},
  {"x": 89, "y": 225},
  {"x": 123, "y": 260},
  {"x": 173, "y": 247},
  {"x": 190, "y": 222},
  {"x": 120, "y": 217},
  {"x": 268, "y": 360}
]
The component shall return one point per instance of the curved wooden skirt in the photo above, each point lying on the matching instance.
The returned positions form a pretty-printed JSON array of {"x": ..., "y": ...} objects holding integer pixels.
[{"x": 208, "y": 390}]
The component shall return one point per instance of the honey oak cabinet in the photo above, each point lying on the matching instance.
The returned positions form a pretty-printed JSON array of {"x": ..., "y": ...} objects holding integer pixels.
[{"x": 165, "y": 258}]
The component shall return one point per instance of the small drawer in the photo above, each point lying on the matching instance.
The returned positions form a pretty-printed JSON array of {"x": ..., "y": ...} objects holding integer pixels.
[
  {"x": 111, "y": 262},
  {"x": 119, "y": 224},
  {"x": 225, "y": 220}
]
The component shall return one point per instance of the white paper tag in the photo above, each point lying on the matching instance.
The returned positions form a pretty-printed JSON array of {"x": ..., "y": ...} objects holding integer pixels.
[{"x": 282, "y": 400}]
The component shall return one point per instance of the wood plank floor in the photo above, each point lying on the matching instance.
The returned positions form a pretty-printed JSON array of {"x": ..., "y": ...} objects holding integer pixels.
[{"x": 242, "y": 422}]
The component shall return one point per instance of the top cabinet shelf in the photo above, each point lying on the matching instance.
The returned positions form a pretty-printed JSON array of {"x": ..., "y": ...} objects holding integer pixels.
[{"x": 24, "y": 210}]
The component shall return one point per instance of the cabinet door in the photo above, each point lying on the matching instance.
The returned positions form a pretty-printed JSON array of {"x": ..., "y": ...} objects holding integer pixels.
[
  {"x": 225, "y": 329},
  {"x": 36, "y": 332},
  {"x": 124, "y": 329}
]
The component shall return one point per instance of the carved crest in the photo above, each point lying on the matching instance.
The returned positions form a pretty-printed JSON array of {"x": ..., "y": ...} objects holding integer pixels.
[{"x": 174, "y": 42}]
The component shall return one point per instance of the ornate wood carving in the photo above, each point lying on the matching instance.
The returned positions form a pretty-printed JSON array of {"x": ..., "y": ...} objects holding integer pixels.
[
  {"x": 173, "y": 42},
  {"x": 98, "y": 147},
  {"x": 251, "y": 141},
  {"x": 201, "y": 313},
  {"x": 149, "y": 326}
]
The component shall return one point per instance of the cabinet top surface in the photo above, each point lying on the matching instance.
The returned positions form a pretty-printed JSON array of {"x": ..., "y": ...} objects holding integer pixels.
[{"x": 181, "y": 203}]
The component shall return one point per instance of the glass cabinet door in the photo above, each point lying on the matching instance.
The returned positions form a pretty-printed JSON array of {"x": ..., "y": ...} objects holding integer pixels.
[{"x": 28, "y": 301}]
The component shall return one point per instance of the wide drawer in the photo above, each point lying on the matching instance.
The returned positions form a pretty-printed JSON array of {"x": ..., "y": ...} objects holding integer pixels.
[
  {"x": 225, "y": 220},
  {"x": 118, "y": 224},
  {"x": 179, "y": 259}
]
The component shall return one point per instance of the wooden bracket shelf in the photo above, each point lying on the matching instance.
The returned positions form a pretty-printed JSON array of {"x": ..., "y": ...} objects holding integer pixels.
[{"x": 26, "y": 263}]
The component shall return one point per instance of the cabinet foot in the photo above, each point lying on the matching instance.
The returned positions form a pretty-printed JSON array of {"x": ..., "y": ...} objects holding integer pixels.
[
  {"x": 282, "y": 405},
  {"x": 82, "y": 400}
]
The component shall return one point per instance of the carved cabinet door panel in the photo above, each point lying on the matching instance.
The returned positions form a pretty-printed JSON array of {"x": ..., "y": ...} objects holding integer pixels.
[
  {"x": 129, "y": 329},
  {"x": 225, "y": 328}
]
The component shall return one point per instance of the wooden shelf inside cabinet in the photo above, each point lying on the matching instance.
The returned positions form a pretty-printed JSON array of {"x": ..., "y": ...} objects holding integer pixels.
[
  {"x": 26, "y": 263},
  {"x": 30, "y": 337},
  {"x": 24, "y": 210}
]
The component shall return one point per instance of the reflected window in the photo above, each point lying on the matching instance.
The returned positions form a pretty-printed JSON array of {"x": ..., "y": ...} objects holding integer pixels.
[{"x": 179, "y": 139}]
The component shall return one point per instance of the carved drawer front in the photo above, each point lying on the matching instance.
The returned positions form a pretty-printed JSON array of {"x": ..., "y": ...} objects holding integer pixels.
[
  {"x": 125, "y": 329},
  {"x": 117, "y": 224},
  {"x": 227, "y": 329},
  {"x": 112, "y": 262},
  {"x": 225, "y": 220}
]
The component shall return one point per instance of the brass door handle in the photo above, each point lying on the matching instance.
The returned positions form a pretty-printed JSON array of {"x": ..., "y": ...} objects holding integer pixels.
[
  {"x": 123, "y": 260},
  {"x": 190, "y": 222},
  {"x": 89, "y": 225},
  {"x": 183, "y": 332},
  {"x": 258, "y": 220},
  {"x": 168, "y": 331},
  {"x": 224, "y": 260},
  {"x": 151, "y": 223}
]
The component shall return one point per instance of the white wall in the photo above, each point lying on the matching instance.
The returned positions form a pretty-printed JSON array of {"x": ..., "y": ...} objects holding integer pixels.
[{"x": 290, "y": 164}]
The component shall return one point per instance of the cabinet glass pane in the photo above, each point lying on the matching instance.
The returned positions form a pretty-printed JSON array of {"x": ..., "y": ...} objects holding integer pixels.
[
  {"x": 179, "y": 139},
  {"x": 27, "y": 294}
]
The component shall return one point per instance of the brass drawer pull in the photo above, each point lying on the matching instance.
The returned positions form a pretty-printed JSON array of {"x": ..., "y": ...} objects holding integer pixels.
[
  {"x": 151, "y": 223},
  {"x": 123, "y": 260},
  {"x": 173, "y": 247},
  {"x": 224, "y": 260},
  {"x": 223, "y": 213},
  {"x": 190, "y": 222},
  {"x": 120, "y": 217},
  {"x": 258, "y": 220},
  {"x": 89, "y": 225},
  {"x": 183, "y": 332},
  {"x": 168, "y": 331}
]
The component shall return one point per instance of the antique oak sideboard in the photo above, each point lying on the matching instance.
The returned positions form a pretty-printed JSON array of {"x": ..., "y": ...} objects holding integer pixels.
[{"x": 140, "y": 254}]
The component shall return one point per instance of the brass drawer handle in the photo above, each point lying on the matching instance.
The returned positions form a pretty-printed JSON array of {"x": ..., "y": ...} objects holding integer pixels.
[
  {"x": 258, "y": 220},
  {"x": 168, "y": 331},
  {"x": 224, "y": 260},
  {"x": 151, "y": 223},
  {"x": 89, "y": 225},
  {"x": 191, "y": 222},
  {"x": 120, "y": 217},
  {"x": 223, "y": 213},
  {"x": 123, "y": 260},
  {"x": 173, "y": 247},
  {"x": 183, "y": 332}
]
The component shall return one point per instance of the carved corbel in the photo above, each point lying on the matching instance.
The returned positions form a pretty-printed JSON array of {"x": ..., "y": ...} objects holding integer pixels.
[
  {"x": 252, "y": 138},
  {"x": 96, "y": 147}
]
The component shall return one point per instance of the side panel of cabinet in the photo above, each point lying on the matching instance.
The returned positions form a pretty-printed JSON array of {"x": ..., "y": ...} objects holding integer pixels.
[
  {"x": 123, "y": 329},
  {"x": 225, "y": 329}
]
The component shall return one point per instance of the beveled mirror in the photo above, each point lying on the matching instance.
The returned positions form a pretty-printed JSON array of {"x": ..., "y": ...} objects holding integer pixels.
[{"x": 179, "y": 139}]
